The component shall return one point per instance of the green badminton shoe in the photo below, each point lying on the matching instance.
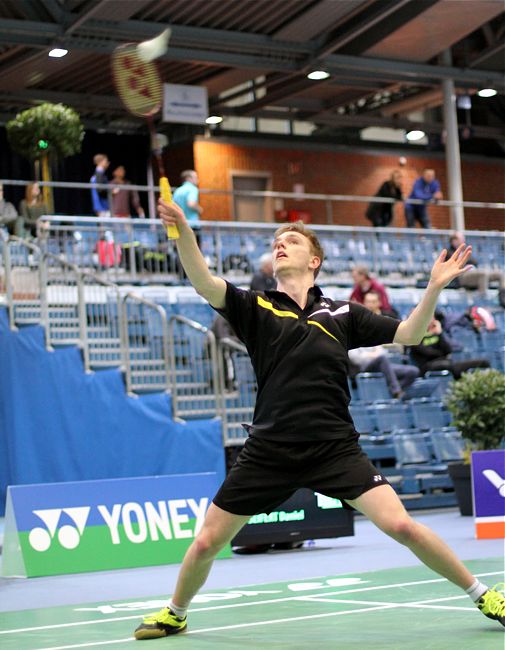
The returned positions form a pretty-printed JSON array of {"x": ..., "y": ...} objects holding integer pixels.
[
  {"x": 162, "y": 623},
  {"x": 492, "y": 603}
]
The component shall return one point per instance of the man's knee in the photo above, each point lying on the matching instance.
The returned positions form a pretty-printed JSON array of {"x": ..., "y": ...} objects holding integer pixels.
[
  {"x": 207, "y": 544},
  {"x": 403, "y": 529}
]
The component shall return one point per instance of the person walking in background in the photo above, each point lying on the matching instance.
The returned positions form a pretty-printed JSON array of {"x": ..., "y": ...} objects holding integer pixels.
[
  {"x": 99, "y": 196},
  {"x": 186, "y": 197},
  {"x": 8, "y": 213},
  {"x": 30, "y": 209},
  {"x": 425, "y": 188},
  {"x": 264, "y": 279},
  {"x": 364, "y": 283},
  {"x": 381, "y": 214},
  {"x": 476, "y": 278},
  {"x": 124, "y": 201}
]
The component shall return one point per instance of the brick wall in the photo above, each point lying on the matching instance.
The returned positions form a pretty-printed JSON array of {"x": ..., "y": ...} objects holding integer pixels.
[{"x": 337, "y": 172}]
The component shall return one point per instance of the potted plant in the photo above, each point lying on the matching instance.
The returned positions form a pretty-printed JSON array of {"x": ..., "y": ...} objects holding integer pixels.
[
  {"x": 43, "y": 133},
  {"x": 477, "y": 404}
]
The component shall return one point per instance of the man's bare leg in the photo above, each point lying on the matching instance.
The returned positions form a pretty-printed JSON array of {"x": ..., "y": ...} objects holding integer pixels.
[
  {"x": 218, "y": 529},
  {"x": 383, "y": 507}
]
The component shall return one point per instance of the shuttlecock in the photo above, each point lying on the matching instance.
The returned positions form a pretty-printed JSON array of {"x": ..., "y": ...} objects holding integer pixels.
[{"x": 155, "y": 47}]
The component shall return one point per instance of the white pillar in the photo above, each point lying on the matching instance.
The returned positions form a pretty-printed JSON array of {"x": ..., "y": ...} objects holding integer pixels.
[
  {"x": 151, "y": 199},
  {"x": 452, "y": 156}
]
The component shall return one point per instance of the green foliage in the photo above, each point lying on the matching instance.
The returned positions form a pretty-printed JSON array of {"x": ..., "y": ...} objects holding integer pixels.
[
  {"x": 48, "y": 129},
  {"x": 477, "y": 404}
]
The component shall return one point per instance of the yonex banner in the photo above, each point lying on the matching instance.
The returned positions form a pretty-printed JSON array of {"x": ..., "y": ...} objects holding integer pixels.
[
  {"x": 60, "y": 528},
  {"x": 488, "y": 483}
]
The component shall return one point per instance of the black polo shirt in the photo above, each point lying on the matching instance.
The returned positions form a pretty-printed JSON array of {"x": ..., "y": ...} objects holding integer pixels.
[{"x": 300, "y": 359}]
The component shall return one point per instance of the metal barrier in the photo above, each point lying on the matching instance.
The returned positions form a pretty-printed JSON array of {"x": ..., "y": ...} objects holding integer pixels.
[
  {"x": 145, "y": 337},
  {"x": 24, "y": 282},
  {"x": 133, "y": 250},
  {"x": 193, "y": 359},
  {"x": 237, "y": 390}
]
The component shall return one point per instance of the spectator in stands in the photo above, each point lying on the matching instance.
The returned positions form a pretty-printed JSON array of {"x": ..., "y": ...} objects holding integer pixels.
[
  {"x": 364, "y": 283},
  {"x": 264, "y": 279},
  {"x": 30, "y": 209},
  {"x": 476, "y": 278},
  {"x": 186, "y": 197},
  {"x": 372, "y": 301},
  {"x": 302, "y": 434},
  {"x": 99, "y": 196},
  {"x": 8, "y": 213},
  {"x": 381, "y": 214},
  {"x": 375, "y": 359},
  {"x": 426, "y": 188},
  {"x": 433, "y": 353},
  {"x": 124, "y": 201}
]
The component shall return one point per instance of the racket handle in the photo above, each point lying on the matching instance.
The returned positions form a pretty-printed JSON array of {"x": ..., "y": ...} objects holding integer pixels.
[{"x": 166, "y": 195}]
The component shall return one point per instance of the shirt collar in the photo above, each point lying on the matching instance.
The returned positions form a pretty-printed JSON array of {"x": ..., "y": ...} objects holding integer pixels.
[{"x": 313, "y": 295}]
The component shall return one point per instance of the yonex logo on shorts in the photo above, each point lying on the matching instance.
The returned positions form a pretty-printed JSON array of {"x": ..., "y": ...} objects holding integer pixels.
[
  {"x": 377, "y": 478},
  {"x": 68, "y": 536}
]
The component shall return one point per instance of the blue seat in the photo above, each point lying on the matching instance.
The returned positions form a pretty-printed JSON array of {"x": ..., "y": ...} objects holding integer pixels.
[
  {"x": 362, "y": 417},
  {"x": 413, "y": 453},
  {"x": 372, "y": 386},
  {"x": 444, "y": 380},
  {"x": 392, "y": 415},
  {"x": 429, "y": 414},
  {"x": 448, "y": 444}
]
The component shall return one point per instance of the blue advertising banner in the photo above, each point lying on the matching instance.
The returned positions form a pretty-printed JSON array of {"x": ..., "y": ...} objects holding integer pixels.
[
  {"x": 96, "y": 525},
  {"x": 488, "y": 485}
]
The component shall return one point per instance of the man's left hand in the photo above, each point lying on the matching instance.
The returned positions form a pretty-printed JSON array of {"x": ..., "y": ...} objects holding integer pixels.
[{"x": 445, "y": 270}]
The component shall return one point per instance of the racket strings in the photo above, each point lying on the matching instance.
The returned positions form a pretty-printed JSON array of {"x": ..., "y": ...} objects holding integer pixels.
[{"x": 137, "y": 82}]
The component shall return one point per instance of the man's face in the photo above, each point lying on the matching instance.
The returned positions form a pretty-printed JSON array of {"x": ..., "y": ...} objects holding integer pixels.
[
  {"x": 429, "y": 175},
  {"x": 357, "y": 276},
  {"x": 372, "y": 302},
  {"x": 291, "y": 251},
  {"x": 119, "y": 172},
  {"x": 194, "y": 178}
]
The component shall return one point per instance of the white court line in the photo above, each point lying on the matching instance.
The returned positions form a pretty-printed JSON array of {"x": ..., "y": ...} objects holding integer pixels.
[
  {"x": 236, "y": 626},
  {"x": 243, "y": 604},
  {"x": 419, "y": 604}
]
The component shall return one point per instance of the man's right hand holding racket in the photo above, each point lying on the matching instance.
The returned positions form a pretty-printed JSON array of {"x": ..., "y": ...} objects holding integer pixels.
[{"x": 211, "y": 287}]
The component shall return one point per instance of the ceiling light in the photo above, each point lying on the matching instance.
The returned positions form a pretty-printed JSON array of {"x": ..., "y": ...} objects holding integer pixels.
[
  {"x": 58, "y": 52},
  {"x": 487, "y": 92},
  {"x": 318, "y": 74},
  {"x": 415, "y": 135},
  {"x": 214, "y": 119}
]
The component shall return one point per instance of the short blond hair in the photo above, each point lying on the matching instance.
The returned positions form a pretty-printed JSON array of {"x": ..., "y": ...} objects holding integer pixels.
[{"x": 315, "y": 245}]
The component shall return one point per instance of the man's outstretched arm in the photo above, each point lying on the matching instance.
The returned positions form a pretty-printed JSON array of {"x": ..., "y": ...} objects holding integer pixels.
[
  {"x": 412, "y": 330},
  {"x": 209, "y": 286}
]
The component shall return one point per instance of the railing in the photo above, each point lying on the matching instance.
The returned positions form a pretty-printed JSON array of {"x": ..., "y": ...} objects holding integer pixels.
[
  {"x": 237, "y": 390},
  {"x": 145, "y": 339},
  {"x": 133, "y": 250},
  {"x": 194, "y": 367},
  {"x": 79, "y": 308}
]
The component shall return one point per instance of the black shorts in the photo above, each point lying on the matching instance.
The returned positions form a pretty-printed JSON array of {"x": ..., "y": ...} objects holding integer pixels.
[{"x": 266, "y": 473}]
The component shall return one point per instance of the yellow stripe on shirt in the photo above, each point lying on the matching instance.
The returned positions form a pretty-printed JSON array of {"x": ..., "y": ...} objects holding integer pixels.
[
  {"x": 313, "y": 322},
  {"x": 268, "y": 305}
]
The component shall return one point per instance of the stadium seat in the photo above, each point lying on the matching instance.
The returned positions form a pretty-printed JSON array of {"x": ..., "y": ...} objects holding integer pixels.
[
  {"x": 429, "y": 414},
  {"x": 362, "y": 417},
  {"x": 392, "y": 415},
  {"x": 372, "y": 386},
  {"x": 448, "y": 444},
  {"x": 412, "y": 450},
  {"x": 443, "y": 379}
]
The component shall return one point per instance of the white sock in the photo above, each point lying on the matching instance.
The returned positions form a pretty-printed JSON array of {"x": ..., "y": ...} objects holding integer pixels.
[
  {"x": 178, "y": 611},
  {"x": 476, "y": 590}
]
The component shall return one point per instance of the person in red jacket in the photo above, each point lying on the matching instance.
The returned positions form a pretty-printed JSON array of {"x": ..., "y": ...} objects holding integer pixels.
[{"x": 364, "y": 283}]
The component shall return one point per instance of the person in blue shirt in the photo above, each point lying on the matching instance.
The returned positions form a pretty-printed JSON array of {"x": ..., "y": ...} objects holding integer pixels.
[
  {"x": 426, "y": 188},
  {"x": 99, "y": 197},
  {"x": 186, "y": 197}
]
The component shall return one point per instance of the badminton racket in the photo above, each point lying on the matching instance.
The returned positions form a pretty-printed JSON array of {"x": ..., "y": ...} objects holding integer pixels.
[{"x": 138, "y": 85}]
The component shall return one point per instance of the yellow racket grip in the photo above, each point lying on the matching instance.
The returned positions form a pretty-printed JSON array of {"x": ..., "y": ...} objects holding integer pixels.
[{"x": 166, "y": 195}]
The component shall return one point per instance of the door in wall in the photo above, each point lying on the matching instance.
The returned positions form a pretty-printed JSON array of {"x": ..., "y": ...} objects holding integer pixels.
[{"x": 251, "y": 208}]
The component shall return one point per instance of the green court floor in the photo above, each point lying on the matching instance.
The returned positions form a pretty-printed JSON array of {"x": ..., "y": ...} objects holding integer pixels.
[{"x": 398, "y": 609}]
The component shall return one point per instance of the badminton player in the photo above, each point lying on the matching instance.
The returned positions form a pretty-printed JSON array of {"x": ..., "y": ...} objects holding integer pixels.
[{"x": 302, "y": 434}]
